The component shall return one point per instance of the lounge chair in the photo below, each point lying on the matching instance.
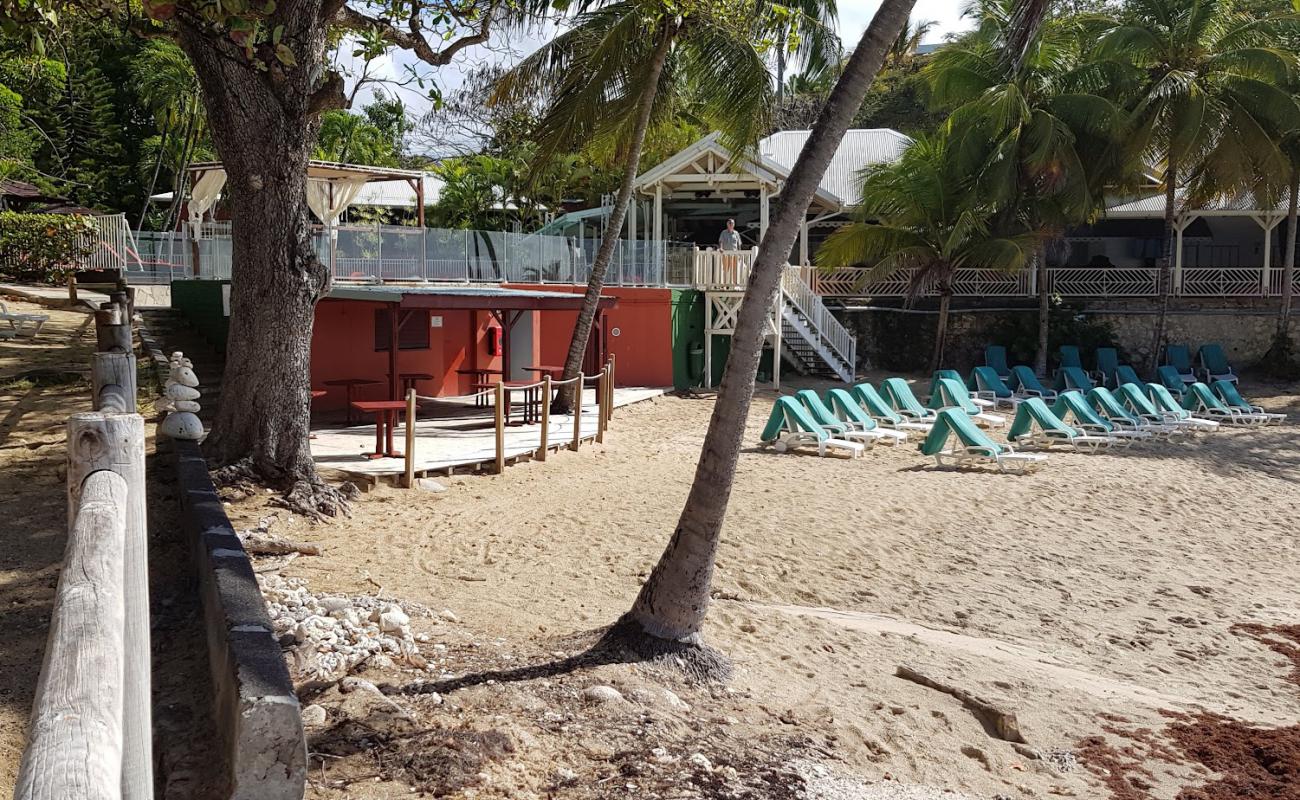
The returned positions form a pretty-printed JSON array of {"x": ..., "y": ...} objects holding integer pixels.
[
  {"x": 27, "y": 325},
  {"x": 1069, "y": 356},
  {"x": 990, "y": 386},
  {"x": 790, "y": 426},
  {"x": 995, "y": 357},
  {"x": 973, "y": 445},
  {"x": 1026, "y": 384},
  {"x": 840, "y": 429},
  {"x": 847, "y": 409},
  {"x": 1204, "y": 405},
  {"x": 1214, "y": 364},
  {"x": 1073, "y": 409},
  {"x": 900, "y": 397},
  {"x": 1167, "y": 405},
  {"x": 952, "y": 374},
  {"x": 1170, "y": 378},
  {"x": 1073, "y": 378},
  {"x": 879, "y": 409},
  {"x": 1107, "y": 364},
  {"x": 1230, "y": 396},
  {"x": 951, "y": 393},
  {"x": 1180, "y": 358},
  {"x": 1036, "y": 426},
  {"x": 1133, "y": 398},
  {"x": 1126, "y": 374},
  {"x": 1109, "y": 408}
]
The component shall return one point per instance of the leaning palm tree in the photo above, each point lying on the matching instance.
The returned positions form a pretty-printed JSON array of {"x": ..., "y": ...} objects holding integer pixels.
[
  {"x": 167, "y": 84},
  {"x": 924, "y": 215},
  {"x": 1027, "y": 125},
  {"x": 625, "y": 65},
  {"x": 1204, "y": 96},
  {"x": 669, "y": 612}
]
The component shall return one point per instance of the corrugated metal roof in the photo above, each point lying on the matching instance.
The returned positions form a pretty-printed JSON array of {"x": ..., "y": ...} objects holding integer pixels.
[
  {"x": 398, "y": 194},
  {"x": 859, "y": 149},
  {"x": 392, "y": 293},
  {"x": 1153, "y": 206}
]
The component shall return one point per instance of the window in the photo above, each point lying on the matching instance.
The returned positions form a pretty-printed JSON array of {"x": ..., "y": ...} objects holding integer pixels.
[{"x": 412, "y": 330}]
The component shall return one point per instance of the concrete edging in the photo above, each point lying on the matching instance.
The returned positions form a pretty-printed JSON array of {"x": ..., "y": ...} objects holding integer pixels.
[{"x": 255, "y": 707}]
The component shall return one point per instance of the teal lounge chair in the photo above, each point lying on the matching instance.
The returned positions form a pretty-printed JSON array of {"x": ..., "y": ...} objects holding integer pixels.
[
  {"x": 900, "y": 397},
  {"x": 952, "y": 393},
  {"x": 1214, "y": 364},
  {"x": 847, "y": 409},
  {"x": 940, "y": 374},
  {"x": 1133, "y": 398},
  {"x": 1168, "y": 405},
  {"x": 823, "y": 416},
  {"x": 790, "y": 426},
  {"x": 1230, "y": 396},
  {"x": 1204, "y": 405},
  {"x": 1180, "y": 358},
  {"x": 1172, "y": 380},
  {"x": 1073, "y": 409},
  {"x": 1073, "y": 378},
  {"x": 1126, "y": 374},
  {"x": 1026, "y": 384},
  {"x": 1070, "y": 357},
  {"x": 1109, "y": 408},
  {"x": 882, "y": 412},
  {"x": 973, "y": 445},
  {"x": 1036, "y": 426},
  {"x": 990, "y": 386},
  {"x": 995, "y": 357},
  {"x": 1107, "y": 364}
]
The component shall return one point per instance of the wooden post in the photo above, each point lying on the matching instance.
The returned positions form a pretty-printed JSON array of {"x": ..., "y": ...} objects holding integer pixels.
[
  {"x": 111, "y": 335},
  {"x": 74, "y": 746},
  {"x": 577, "y": 412},
  {"x": 602, "y": 400},
  {"x": 611, "y": 385},
  {"x": 113, "y": 382},
  {"x": 410, "y": 438},
  {"x": 115, "y": 442},
  {"x": 546, "y": 417},
  {"x": 501, "y": 427},
  {"x": 72, "y": 287}
]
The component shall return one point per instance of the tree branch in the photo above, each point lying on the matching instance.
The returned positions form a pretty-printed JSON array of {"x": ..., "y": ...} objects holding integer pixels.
[{"x": 413, "y": 38}]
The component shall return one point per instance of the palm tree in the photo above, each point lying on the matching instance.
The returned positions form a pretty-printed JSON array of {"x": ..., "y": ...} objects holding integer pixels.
[
  {"x": 670, "y": 609},
  {"x": 1204, "y": 96},
  {"x": 924, "y": 214},
  {"x": 166, "y": 82},
  {"x": 1026, "y": 124},
  {"x": 625, "y": 65},
  {"x": 903, "y": 50}
]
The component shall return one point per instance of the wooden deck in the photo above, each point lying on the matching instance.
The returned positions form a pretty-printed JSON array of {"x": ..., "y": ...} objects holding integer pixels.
[{"x": 455, "y": 435}]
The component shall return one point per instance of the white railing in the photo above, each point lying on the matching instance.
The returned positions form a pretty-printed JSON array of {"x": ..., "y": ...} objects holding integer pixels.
[
  {"x": 111, "y": 244},
  {"x": 1221, "y": 282},
  {"x": 723, "y": 269},
  {"x": 1103, "y": 281},
  {"x": 832, "y": 332}
]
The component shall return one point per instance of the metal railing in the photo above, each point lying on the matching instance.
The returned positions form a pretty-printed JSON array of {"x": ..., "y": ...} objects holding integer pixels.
[{"x": 831, "y": 331}]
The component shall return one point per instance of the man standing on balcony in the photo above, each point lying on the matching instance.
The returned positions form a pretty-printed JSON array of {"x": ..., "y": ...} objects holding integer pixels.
[{"x": 730, "y": 237}]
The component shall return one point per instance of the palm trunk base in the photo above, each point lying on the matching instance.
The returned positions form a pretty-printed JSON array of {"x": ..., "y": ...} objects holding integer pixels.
[
  {"x": 697, "y": 661},
  {"x": 304, "y": 494},
  {"x": 1280, "y": 360}
]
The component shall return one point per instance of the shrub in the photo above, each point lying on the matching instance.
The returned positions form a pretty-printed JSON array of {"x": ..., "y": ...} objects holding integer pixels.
[{"x": 43, "y": 247}]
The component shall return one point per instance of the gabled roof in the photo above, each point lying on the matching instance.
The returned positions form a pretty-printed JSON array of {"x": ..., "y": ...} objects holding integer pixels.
[{"x": 1153, "y": 207}]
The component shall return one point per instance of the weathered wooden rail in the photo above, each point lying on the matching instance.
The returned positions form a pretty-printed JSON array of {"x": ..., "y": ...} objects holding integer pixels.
[{"x": 91, "y": 728}]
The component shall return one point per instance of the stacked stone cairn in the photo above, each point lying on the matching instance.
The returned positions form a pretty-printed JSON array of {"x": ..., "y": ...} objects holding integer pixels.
[{"x": 181, "y": 401}]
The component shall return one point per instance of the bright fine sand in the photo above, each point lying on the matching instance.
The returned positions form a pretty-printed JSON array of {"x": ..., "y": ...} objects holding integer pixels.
[{"x": 1097, "y": 600}]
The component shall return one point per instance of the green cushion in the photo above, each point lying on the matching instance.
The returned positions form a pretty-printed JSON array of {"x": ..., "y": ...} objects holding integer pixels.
[
  {"x": 844, "y": 405},
  {"x": 789, "y": 415},
  {"x": 953, "y": 422},
  {"x": 1033, "y": 413}
]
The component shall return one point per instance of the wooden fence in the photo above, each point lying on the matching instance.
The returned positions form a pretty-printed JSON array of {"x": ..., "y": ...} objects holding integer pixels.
[{"x": 91, "y": 729}]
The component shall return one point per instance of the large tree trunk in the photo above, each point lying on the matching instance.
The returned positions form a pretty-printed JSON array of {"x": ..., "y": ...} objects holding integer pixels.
[
  {"x": 1164, "y": 287},
  {"x": 673, "y": 602},
  {"x": 613, "y": 229},
  {"x": 941, "y": 330},
  {"x": 1288, "y": 266},
  {"x": 1044, "y": 311},
  {"x": 264, "y": 129}
]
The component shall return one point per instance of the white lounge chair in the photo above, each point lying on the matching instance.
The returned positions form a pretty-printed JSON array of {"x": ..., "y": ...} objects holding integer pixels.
[{"x": 21, "y": 324}]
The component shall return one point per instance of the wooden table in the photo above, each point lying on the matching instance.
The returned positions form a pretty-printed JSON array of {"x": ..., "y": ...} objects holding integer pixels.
[
  {"x": 478, "y": 376},
  {"x": 385, "y": 412},
  {"x": 409, "y": 379},
  {"x": 532, "y": 398},
  {"x": 556, "y": 373},
  {"x": 351, "y": 385}
]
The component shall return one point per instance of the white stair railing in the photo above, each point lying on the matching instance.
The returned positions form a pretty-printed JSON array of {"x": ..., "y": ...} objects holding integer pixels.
[{"x": 832, "y": 333}]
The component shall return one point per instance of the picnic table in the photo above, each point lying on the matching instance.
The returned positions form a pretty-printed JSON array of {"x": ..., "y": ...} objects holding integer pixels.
[
  {"x": 409, "y": 379},
  {"x": 479, "y": 376},
  {"x": 385, "y": 412},
  {"x": 556, "y": 373},
  {"x": 532, "y": 398},
  {"x": 351, "y": 385}
]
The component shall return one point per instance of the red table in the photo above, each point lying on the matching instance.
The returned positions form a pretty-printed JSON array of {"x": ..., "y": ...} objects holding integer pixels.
[
  {"x": 532, "y": 398},
  {"x": 351, "y": 385},
  {"x": 556, "y": 373},
  {"x": 409, "y": 379},
  {"x": 478, "y": 376},
  {"x": 385, "y": 412}
]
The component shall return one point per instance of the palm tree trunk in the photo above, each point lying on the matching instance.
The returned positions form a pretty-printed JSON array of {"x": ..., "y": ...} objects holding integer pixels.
[
  {"x": 1164, "y": 287},
  {"x": 1288, "y": 266},
  {"x": 613, "y": 229},
  {"x": 941, "y": 331},
  {"x": 1044, "y": 311},
  {"x": 153, "y": 182},
  {"x": 780, "y": 68},
  {"x": 673, "y": 602}
]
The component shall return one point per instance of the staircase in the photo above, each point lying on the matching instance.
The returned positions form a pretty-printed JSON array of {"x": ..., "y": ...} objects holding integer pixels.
[
  {"x": 172, "y": 331},
  {"x": 812, "y": 340}
]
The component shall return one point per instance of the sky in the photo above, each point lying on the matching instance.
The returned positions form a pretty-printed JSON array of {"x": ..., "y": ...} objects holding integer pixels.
[{"x": 855, "y": 15}]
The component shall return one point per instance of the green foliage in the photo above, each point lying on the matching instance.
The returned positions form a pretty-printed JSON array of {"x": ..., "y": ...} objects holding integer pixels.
[
  {"x": 376, "y": 136},
  {"x": 42, "y": 246}
]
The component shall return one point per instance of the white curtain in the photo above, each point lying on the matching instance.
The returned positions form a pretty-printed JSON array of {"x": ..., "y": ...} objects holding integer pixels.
[
  {"x": 204, "y": 194},
  {"x": 327, "y": 205}
]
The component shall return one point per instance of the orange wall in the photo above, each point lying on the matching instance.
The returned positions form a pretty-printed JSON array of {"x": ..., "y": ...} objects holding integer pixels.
[
  {"x": 644, "y": 345},
  {"x": 343, "y": 346}
]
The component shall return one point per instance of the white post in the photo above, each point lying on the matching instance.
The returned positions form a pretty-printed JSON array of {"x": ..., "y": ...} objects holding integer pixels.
[
  {"x": 708, "y": 341},
  {"x": 658, "y": 246},
  {"x": 1268, "y": 222},
  {"x": 1179, "y": 226}
]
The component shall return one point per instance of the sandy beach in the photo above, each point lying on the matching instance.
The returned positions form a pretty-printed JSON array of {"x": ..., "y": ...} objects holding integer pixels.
[{"x": 1094, "y": 598}]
